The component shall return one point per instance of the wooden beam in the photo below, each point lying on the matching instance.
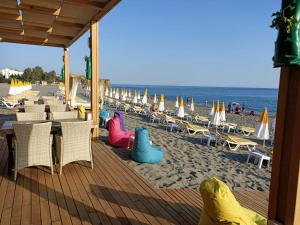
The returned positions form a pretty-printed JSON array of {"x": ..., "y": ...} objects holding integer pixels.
[
  {"x": 4, "y": 30},
  {"x": 38, "y": 9},
  {"x": 106, "y": 9},
  {"x": 17, "y": 41},
  {"x": 284, "y": 203},
  {"x": 67, "y": 74},
  {"x": 97, "y": 4},
  {"x": 95, "y": 75},
  {"x": 68, "y": 24},
  {"x": 8, "y": 16}
]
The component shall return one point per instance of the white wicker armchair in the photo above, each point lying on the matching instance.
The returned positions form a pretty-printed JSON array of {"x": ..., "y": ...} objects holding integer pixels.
[
  {"x": 33, "y": 145},
  {"x": 34, "y": 108},
  {"x": 58, "y": 108},
  {"x": 74, "y": 144},
  {"x": 31, "y": 116},
  {"x": 63, "y": 115}
]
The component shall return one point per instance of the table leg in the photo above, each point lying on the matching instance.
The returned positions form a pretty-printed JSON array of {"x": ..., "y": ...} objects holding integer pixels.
[{"x": 10, "y": 163}]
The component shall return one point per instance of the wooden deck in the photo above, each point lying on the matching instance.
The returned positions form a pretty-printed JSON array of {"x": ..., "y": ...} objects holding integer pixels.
[{"x": 111, "y": 193}]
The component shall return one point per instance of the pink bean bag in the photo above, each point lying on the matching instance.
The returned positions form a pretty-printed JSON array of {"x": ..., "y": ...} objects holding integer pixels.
[{"x": 118, "y": 137}]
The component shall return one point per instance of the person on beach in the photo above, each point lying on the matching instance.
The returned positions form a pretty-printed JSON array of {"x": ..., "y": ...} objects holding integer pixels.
[
  {"x": 237, "y": 110},
  {"x": 206, "y": 103},
  {"x": 154, "y": 107},
  {"x": 243, "y": 108},
  {"x": 229, "y": 107}
]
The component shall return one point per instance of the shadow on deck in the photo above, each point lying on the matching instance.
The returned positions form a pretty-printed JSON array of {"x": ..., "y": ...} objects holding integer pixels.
[{"x": 111, "y": 193}]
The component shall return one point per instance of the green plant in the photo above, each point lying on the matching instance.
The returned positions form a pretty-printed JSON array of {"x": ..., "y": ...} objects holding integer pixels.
[{"x": 285, "y": 19}]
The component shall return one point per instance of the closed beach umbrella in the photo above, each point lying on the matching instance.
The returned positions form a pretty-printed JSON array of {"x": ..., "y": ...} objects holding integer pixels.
[
  {"x": 111, "y": 93},
  {"x": 123, "y": 95},
  {"x": 155, "y": 99},
  {"x": 12, "y": 87},
  {"x": 222, "y": 115},
  {"x": 192, "y": 106},
  {"x": 212, "y": 110},
  {"x": 106, "y": 92},
  {"x": 145, "y": 98},
  {"x": 139, "y": 95},
  {"x": 117, "y": 96},
  {"x": 135, "y": 100},
  {"x": 262, "y": 129},
  {"x": 129, "y": 93},
  {"x": 176, "y": 103},
  {"x": 216, "y": 117},
  {"x": 274, "y": 123},
  {"x": 161, "y": 106},
  {"x": 180, "y": 112}
]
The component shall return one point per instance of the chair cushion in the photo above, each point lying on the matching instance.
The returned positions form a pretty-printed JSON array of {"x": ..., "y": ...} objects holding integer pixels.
[
  {"x": 81, "y": 111},
  {"x": 221, "y": 207}
]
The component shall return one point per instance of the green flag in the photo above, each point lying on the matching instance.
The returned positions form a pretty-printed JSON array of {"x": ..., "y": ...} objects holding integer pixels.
[
  {"x": 88, "y": 68},
  {"x": 62, "y": 75}
]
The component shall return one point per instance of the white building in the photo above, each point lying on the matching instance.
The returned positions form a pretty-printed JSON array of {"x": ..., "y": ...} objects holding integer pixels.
[{"x": 6, "y": 72}]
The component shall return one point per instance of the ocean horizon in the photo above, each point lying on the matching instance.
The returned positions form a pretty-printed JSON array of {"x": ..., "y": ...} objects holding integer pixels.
[{"x": 255, "y": 99}]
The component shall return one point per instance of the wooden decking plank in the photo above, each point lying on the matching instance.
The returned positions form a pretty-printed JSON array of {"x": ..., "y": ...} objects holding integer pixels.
[
  {"x": 17, "y": 202},
  {"x": 138, "y": 216},
  {"x": 26, "y": 203},
  {"x": 62, "y": 205},
  {"x": 186, "y": 207},
  {"x": 35, "y": 206},
  {"x": 83, "y": 213},
  {"x": 53, "y": 205},
  {"x": 43, "y": 196},
  {"x": 180, "y": 208},
  {"x": 84, "y": 196},
  {"x": 144, "y": 188},
  {"x": 75, "y": 217},
  {"x": 134, "y": 192},
  {"x": 8, "y": 205},
  {"x": 147, "y": 188}
]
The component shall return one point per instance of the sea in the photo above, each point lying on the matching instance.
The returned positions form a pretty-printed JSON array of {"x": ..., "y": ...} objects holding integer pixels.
[{"x": 255, "y": 99}]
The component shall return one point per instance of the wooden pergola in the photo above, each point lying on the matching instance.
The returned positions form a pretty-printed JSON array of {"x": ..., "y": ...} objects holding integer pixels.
[{"x": 59, "y": 23}]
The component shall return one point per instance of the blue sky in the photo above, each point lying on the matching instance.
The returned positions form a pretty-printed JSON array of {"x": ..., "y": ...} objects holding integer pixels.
[{"x": 172, "y": 42}]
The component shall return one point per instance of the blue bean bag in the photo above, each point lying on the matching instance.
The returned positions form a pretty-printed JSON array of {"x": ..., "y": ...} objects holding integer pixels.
[
  {"x": 104, "y": 116},
  {"x": 143, "y": 151}
]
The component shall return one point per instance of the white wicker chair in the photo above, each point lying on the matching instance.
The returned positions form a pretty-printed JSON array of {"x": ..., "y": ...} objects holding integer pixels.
[
  {"x": 74, "y": 144},
  {"x": 31, "y": 116},
  {"x": 63, "y": 115},
  {"x": 28, "y": 102},
  {"x": 58, "y": 108},
  {"x": 33, "y": 145},
  {"x": 34, "y": 108}
]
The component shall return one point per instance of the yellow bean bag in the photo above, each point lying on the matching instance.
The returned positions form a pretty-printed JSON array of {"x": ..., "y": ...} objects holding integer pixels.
[
  {"x": 81, "y": 111},
  {"x": 221, "y": 207}
]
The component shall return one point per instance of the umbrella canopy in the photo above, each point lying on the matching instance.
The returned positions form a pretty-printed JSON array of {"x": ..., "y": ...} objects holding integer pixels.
[
  {"x": 212, "y": 110},
  {"x": 117, "y": 96},
  {"x": 180, "y": 112},
  {"x": 161, "y": 106},
  {"x": 135, "y": 100},
  {"x": 139, "y": 95},
  {"x": 262, "y": 129},
  {"x": 129, "y": 93},
  {"x": 222, "y": 114},
  {"x": 12, "y": 87},
  {"x": 111, "y": 93},
  {"x": 145, "y": 98},
  {"x": 176, "y": 103},
  {"x": 216, "y": 117},
  {"x": 155, "y": 98},
  {"x": 192, "y": 106}
]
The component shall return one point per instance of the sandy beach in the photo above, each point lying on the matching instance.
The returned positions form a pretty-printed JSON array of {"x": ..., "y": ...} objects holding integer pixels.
[{"x": 187, "y": 161}]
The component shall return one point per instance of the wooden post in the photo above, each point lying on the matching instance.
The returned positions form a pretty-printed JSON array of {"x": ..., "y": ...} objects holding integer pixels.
[
  {"x": 67, "y": 74},
  {"x": 94, "y": 46},
  {"x": 284, "y": 205}
]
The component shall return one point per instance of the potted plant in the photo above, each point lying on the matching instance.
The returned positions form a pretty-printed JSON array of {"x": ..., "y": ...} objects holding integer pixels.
[{"x": 287, "y": 45}]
